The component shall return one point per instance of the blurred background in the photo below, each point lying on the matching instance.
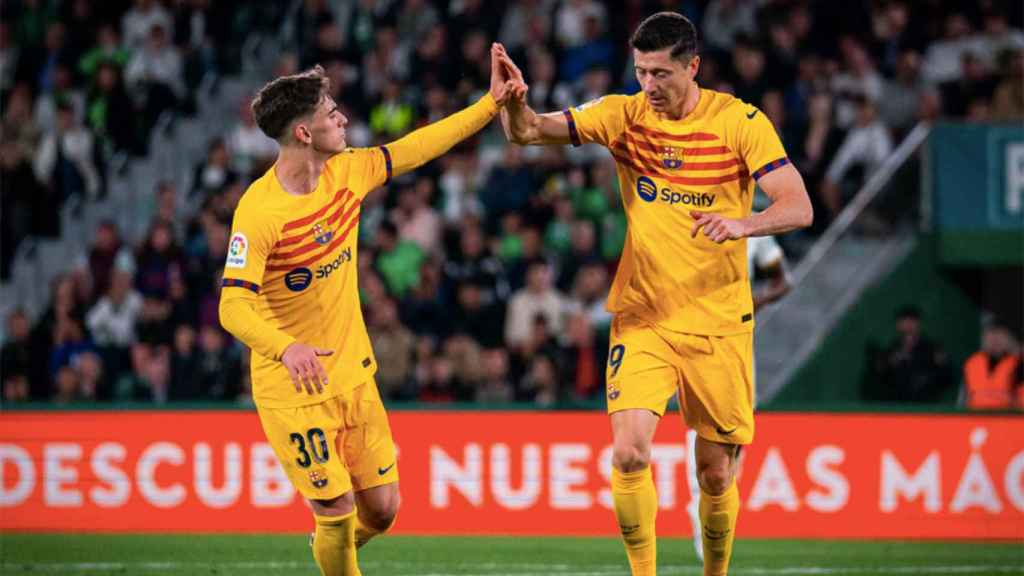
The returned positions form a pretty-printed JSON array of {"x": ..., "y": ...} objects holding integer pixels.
[{"x": 127, "y": 141}]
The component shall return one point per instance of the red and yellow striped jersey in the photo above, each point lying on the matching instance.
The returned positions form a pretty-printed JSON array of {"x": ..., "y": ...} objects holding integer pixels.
[
  {"x": 298, "y": 255},
  {"x": 708, "y": 161}
]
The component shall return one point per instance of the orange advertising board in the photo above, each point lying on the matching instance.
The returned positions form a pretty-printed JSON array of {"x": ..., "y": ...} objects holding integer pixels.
[{"x": 807, "y": 475}]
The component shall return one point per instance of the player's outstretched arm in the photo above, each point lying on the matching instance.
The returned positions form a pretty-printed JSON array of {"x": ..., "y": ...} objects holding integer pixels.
[
  {"x": 521, "y": 124},
  {"x": 429, "y": 142}
]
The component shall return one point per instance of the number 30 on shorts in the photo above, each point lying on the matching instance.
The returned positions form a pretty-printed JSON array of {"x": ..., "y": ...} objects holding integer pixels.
[
  {"x": 317, "y": 445},
  {"x": 615, "y": 356}
]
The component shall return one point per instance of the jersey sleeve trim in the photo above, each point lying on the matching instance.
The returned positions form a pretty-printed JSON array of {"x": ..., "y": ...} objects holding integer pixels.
[
  {"x": 773, "y": 165},
  {"x": 387, "y": 163},
  {"x": 241, "y": 284},
  {"x": 574, "y": 135}
]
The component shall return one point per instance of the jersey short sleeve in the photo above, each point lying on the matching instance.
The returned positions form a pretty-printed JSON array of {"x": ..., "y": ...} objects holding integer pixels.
[
  {"x": 599, "y": 121},
  {"x": 252, "y": 239},
  {"x": 365, "y": 168},
  {"x": 757, "y": 142}
]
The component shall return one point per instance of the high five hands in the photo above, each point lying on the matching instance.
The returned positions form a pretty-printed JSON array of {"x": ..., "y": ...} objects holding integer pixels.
[{"x": 507, "y": 84}]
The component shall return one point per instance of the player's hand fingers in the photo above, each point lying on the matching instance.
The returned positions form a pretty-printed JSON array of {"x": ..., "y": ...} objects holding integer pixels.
[
  {"x": 294, "y": 374},
  {"x": 700, "y": 219},
  {"x": 321, "y": 374},
  {"x": 712, "y": 227},
  {"x": 307, "y": 376},
  {"x": 510, "y": 66}
]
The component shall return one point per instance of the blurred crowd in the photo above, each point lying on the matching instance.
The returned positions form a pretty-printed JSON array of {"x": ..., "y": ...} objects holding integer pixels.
[{"x": 484, "y": 274}]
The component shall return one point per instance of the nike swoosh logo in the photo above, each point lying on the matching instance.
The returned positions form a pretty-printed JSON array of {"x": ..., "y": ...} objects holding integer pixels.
[
  {"x": 726, "y": 432},
  {"x": 383, "y": 471},
  {"x": 752, "y": 114}
]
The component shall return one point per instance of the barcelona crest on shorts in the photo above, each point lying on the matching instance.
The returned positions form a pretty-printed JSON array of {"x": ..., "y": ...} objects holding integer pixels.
[
  {"x": 322, "y": 233},
  {"x": 318, "y": 478},
  {"x": 671, "y": 158},
  {"x": 613, "y": 392}
]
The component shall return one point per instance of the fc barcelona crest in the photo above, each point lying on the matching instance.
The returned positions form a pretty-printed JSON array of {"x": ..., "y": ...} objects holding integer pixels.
[
  {"x": 321, "y": 233},
  {"x": 318, "y": 478},
  {"x": 671, "y": 158}
]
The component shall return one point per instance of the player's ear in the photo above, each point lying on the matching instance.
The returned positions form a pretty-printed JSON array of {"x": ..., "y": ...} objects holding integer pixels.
[
  {"x": 693, "y": 67},
  {"x": 301, "y": 133}
]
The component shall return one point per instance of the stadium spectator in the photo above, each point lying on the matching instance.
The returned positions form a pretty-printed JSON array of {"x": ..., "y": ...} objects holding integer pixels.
[
  {"x": 475, "y": 317},
  {"x": 16, "y": 358},
  {"x": 112, "y": 321},
  {"x": 750, "y": 81},
  {"x": 583, "y": 367},
  {"x": 109, "y": 111},
  {"x": 398, "y": 260},
  {"x": 250, "y": 149},
  {"x": 912, "y": 368},
  {"x": 1008, "y": 100},
  {"x": 215, "y": 172},
  {"x": 156, "y": 73},
  {"x": 537, "y": 299},
  {"x": 423, "y": 311},
  {"x": 992, "y": 374},
  {"x": 495, "y": 385},
  {"x": 589, "y": 294},
  {"x": 19, "y": 126},
  {"x": 509, "y": 187},
  {"x": 64, "y": 159},
  {"x": 856, "y": 83},
  {"x": 904, "y": 95},
  {"x": 540, "y": 386},
  {"x": 394, "y": 346},
  {"x": 416, "y": 221},
  {"x": 474, "y": 262},
  {"x": 866, "y": 146},
  {"x": 108, "y": 49},
  {"x": 21, "y": 202},
  {"x": 139, "y": 21},
  {"x": 972, "y": 85},
  {"x": 724, "y": 20},
  {"x": 582, "y": 251}
]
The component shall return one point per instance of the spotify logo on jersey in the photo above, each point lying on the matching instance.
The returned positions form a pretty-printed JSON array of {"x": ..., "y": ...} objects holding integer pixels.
[
  {"x": 646, "y": 189},
  {"x": 298, "y": 279}
]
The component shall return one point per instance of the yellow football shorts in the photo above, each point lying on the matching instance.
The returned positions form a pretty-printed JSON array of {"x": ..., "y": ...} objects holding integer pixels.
[
  {"x": 341, "y": 444},
  {"x": 713, "y": 376}
]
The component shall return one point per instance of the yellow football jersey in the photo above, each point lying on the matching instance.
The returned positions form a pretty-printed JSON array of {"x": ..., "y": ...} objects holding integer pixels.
[
  {"x": 708, "y": 161},
  {"x": 298, "y": 255}
]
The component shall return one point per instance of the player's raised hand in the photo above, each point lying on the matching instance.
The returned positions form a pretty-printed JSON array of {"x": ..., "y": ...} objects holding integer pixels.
[
  {"x": 304, "y": 367},
  {"x": 510, "y": 71},
  {"x": 717, "y": 228},
  {"x": 504, "y": 85}
]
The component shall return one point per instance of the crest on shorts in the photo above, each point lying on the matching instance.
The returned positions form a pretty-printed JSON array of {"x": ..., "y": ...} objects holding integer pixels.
[
  {"x": 613, "y": 392},
  {"x": 671, "y": 158},
  {"x": 318, "y": 478},
  {"x": 322, "y": 232}
]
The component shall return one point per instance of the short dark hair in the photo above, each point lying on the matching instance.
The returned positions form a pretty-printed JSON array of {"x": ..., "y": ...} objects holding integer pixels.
[
  {"x": 287, "y": 98},
  {"x": 666, "y": 30}
]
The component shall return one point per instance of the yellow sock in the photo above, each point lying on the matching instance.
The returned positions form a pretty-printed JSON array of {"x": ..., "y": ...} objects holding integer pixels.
[
  {"x": 365, "y": 533},
  {"x": 718, "y": 519},
  {"x": 334, "y": 545},
  {"x": 636, "y": 507}
]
